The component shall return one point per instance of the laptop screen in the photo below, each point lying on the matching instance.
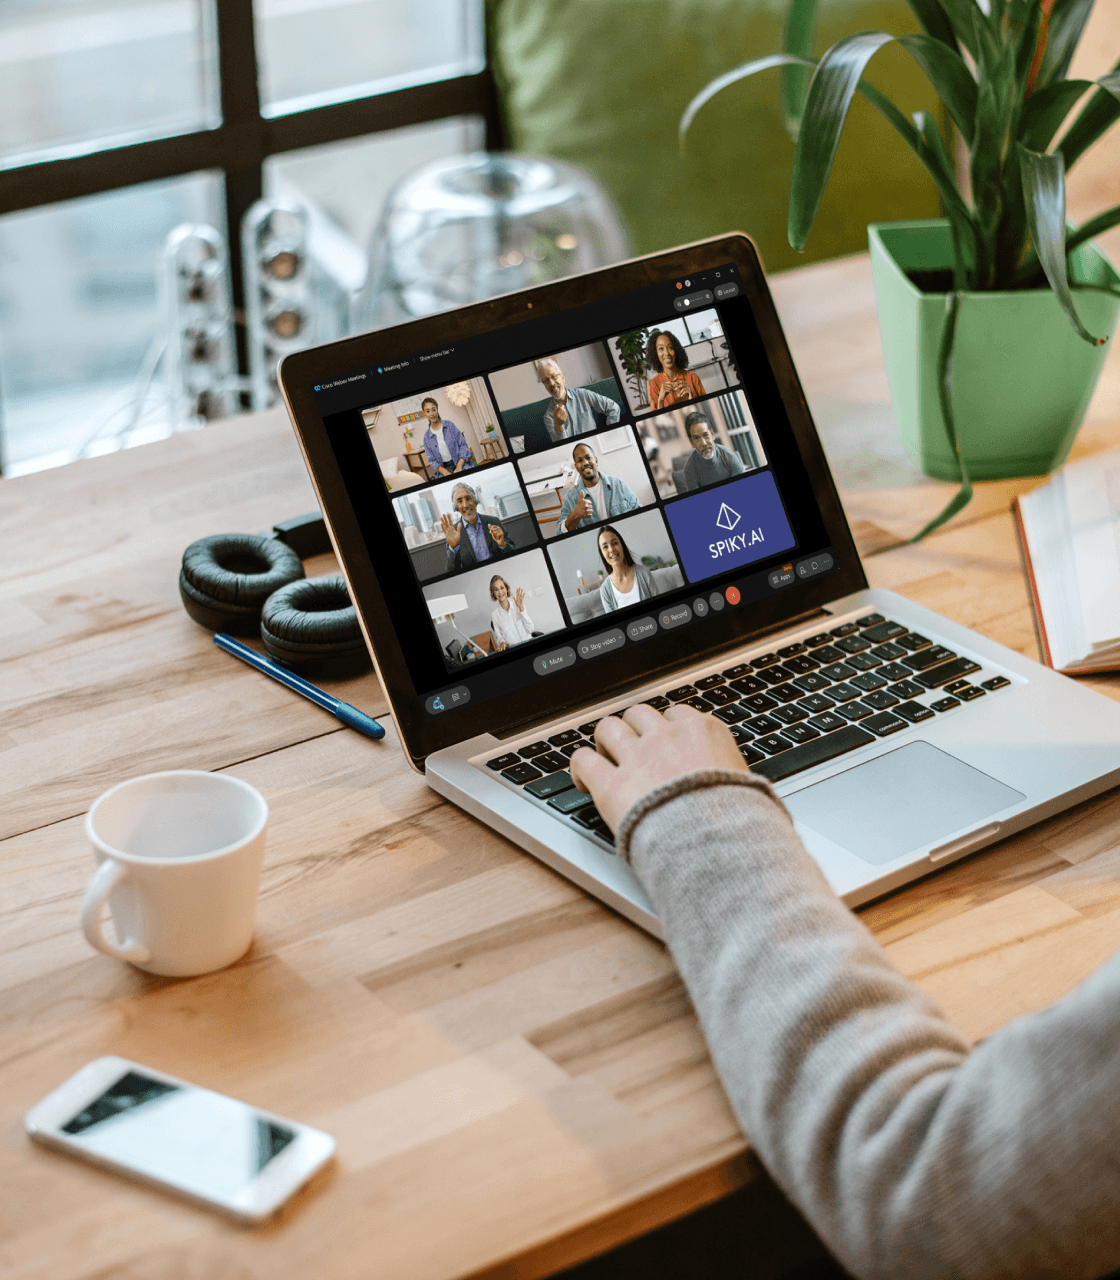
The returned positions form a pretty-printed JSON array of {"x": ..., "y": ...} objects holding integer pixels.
[{"x": 577, "y": 485}]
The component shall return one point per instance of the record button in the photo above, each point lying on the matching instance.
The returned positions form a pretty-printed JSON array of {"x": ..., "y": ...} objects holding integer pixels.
[{"x": 675, "y": 616}]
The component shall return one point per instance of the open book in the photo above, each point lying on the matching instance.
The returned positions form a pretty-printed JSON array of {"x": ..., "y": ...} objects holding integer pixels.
[{"x": 1069, "y": 529}]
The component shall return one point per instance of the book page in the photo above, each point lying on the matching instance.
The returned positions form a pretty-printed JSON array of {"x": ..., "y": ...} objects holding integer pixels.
[{"x": 1093, "y": 502}]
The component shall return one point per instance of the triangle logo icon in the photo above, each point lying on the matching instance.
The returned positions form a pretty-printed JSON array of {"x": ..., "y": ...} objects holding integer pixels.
[{"x": 728, "y": 518}]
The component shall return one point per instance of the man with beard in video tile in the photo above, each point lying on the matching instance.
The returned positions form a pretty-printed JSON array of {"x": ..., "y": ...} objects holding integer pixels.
[
  {"x": 473, "y": 538},
  {"x": 710, "y": 461},
  {"x": 594, "y": 496}
]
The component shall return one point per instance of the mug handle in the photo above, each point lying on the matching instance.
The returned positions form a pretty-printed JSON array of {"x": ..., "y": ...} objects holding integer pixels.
[{"x": 108, "y": 875}]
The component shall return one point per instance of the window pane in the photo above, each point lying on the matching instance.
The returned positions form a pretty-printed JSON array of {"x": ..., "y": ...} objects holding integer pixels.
[
  {"x": 79, "y": 312},
  {"x": 74, "y": 72},
  {"x": 338, "y": 49}
]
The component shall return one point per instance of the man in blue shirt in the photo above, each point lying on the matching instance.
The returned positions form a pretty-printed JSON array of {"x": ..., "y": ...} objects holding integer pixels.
[
  {"x": 473, "y": 539},
  {"x": 594, "y": 496},
  {"x": 574, "y": 410},
  {"x": 444, "y": 444}
]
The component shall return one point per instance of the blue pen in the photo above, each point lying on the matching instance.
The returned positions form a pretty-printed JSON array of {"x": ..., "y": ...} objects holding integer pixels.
[{"x": 350, "y": 716}]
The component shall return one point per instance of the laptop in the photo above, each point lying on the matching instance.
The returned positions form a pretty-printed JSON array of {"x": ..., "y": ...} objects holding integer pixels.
[{"x": 609, "y": 490}]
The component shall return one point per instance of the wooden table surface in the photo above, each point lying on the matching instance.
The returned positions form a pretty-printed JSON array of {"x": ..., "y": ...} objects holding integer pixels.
[{"x": 513, "y": 1072}]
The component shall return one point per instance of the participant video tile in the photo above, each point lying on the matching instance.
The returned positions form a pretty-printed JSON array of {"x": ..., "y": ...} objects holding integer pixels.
[
  {"x": 668, "y": 364},
  {"x": 699, "y": 444}
]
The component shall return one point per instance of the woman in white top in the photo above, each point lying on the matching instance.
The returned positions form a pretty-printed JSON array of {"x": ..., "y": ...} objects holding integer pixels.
[
  {"x": 509, "y": 623},
  {"x": 628, "y": 582}
]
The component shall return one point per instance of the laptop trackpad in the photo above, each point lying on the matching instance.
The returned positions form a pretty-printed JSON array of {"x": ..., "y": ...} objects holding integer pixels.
[{"x": 899, "y": 802}]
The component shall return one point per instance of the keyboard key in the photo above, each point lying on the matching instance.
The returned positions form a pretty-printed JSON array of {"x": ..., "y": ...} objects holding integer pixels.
[
  {"x": 799, "y": 733},
  {"x": 863, "y": 661},
  {"x": 885, "y": 724},
  {"x": 786, "y": 692},
  {"x": 801, "y": 664},
  {"x": 829, "y": 722},
  {"x": 888, "y": 652},
  {"x": 894, "y": 671},
  {"x": 751, "y": 756},
  {"x": 929, "y": 658},
  {"x": 870, "y": 620},
  {"x": 914, "y": 712},
  {"x": 589, "y": 817},
  {"x": 812, "y": 683},
  {"x": 534, "y": 749},
  {"x": 946, "y": 672},
  {"x": 804, "y": 757},
  {"x": 659, "y": 703},
  {"x": 748, "y": 684},
  {"x": 881, "y": 701},
  {"x": 573, "y": 747},
  {"x": 772, "y": 744},
  {"x": 913, "y": 641},
  {"x": 828, "y": 653},
  {"x": 853, "y": 644},
  {"x": 740, "y": 733},
  {"x": 760, "y": 702},
  {"x": 868, "y": 682},
  {"x": 551, "y": 785},
  {"x": 723, "y": 696},
  {"x": 562, "y": 739},
  {"x": 884, "y": 631},
  {"x": 762, "y": 725},
  {"x": 521, "y": 773},
  {"x": 709, "y": 682},
  {"x": 955, "y": 685},
  {"x": 504, "y": 762},
  {"x": 569, "y": 801},
  {"x": 732, "y": 714},
  {"x": 816, "y": 702},
  {"x": 844, "y": 692},
  {"x": 906, "y": 688},
  {"x": 764, "y": 660},
  {"x": 550, "y": 762},
  {"x": 838, "y": 671},
  {"x": 847, "y": 629},
  {"x": 996, "y": 682},
  {"x": 816, "y": 641},
  {"x": 945, "y": 704},
  {"x": 588, "y": 730},
  {"x": 788, "y": 715},
  {"x": 971, "y": 694},
  {"x": 733, "y": 673},
  {"x": 777, "y": 675},
  {"x": 791, "y": 649},
  {"x": 679, "y": 695},
  {"x": 854, "y": 711},
  {"x": 699, "y": 703}
]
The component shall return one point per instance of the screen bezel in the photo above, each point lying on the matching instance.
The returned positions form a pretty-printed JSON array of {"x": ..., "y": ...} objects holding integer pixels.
[{"x": 586, "y": 683}]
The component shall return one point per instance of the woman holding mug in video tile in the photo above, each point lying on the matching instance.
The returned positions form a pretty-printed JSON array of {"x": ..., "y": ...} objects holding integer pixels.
[
  {"x": 509, "y": 623},
  {"x": 628, "y": 582},
  {"x": 672, "y": 382}
]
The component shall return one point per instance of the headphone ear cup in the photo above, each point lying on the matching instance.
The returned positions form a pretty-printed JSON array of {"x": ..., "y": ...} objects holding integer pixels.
[
  {"x": 311, "y": 627},
  {"x": 226, "y": 578}
]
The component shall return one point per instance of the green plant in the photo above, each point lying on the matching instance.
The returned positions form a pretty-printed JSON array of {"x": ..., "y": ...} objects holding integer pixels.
[
  {"x": 1001, "y": 75},
  {"x": 632, "y": 356}
]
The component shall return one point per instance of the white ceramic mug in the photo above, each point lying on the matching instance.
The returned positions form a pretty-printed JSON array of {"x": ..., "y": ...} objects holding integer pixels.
[{"x": 179, "y": 862}]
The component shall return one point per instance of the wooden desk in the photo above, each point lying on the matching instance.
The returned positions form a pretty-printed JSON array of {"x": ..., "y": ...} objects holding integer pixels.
[{"x": 514, "y": 1074}]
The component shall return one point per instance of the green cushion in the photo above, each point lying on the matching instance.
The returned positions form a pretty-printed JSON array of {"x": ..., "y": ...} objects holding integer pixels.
[{"x": 603, "y": 84}]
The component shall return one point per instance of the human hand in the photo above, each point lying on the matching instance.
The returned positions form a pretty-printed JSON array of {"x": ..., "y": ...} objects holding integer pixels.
[
  {"x": 503, "y": 645},
  {"x": 498, "y": 534},
  {"x": 449, "y": 531},
  {"x": 519, "y": 598},
  {"x": 579, "y": 512},
  {"x": 645, "y": 749},
  {"x": 559, "y": 416}
]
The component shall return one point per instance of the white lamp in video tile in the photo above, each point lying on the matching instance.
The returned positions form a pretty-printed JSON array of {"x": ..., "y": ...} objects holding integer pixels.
[{"x": 446, "y": 607}]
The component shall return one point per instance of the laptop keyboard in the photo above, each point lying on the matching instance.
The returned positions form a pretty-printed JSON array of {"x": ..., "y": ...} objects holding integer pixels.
[{"x": 803, "y": 705}]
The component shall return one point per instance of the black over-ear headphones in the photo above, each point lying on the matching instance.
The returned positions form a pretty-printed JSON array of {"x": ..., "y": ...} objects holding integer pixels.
[{"x": 253, "y": 584}]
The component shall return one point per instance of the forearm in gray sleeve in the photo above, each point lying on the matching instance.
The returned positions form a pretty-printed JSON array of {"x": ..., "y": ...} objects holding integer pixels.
[{"x": 910, "y": 1155}]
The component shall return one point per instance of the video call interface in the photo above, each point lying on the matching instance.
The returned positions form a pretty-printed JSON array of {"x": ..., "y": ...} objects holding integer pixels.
[{"x": 583, "y": 490}]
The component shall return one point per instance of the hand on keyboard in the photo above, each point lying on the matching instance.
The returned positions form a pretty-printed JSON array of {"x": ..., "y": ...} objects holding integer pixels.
[{"x": 645, "y": 749}]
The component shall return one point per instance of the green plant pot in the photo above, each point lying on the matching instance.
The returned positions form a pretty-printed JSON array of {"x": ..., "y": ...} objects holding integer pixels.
[{"x": 1022, "y": 378}]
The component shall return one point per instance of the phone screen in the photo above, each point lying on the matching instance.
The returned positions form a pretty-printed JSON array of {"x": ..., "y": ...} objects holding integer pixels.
[{"x": 202, "y": 1141}]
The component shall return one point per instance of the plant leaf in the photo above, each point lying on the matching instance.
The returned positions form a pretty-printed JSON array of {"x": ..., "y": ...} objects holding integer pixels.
[
  {"x": 933, "y": 22},
  {"x": 1044, "y": 111},
  {"x": 963, "y": 15},
  {"x": 801, "y": 23},
  {"x": 1099, "y": 114},
  {"x": 1094, "y": 227},
  {"x": 1044, "y": 188},
  {"x": 948, "y": 72},
  {"x": 720, "y": 83},
  {"x": 1067, "y": 22}
]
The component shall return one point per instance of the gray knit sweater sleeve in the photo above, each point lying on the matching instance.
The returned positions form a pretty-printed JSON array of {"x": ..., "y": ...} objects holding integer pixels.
[{"x": 911, "y": 1155}]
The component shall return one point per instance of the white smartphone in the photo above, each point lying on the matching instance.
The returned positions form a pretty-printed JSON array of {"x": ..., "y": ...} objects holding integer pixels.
[{"x": 159, "y": 1130}]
